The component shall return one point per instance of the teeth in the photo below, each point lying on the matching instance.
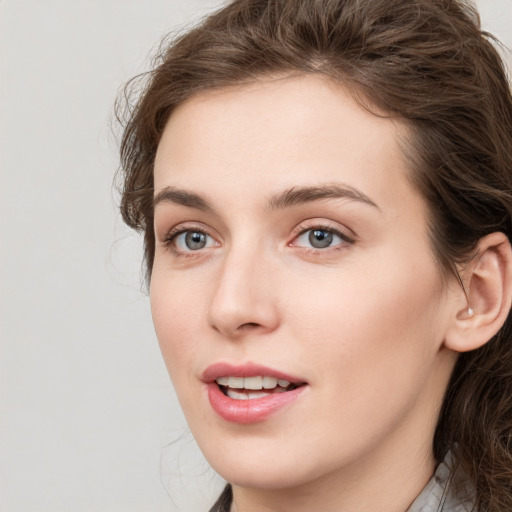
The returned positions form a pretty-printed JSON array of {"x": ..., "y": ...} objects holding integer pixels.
[
  {"x": 269, "y": 382},
  {"x": 253, "y": 383},
  {"x": 236, "y": 382},
  {"x": 237, "y": 395}
]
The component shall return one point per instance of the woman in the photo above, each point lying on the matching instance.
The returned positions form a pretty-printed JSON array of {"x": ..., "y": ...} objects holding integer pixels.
[{"x": 324, "y": 188}]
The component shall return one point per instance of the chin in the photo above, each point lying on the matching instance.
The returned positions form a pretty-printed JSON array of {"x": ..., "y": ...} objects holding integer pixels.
[
  {"x": 262, "y": 476},
  {"x": 267, "y": 467}
]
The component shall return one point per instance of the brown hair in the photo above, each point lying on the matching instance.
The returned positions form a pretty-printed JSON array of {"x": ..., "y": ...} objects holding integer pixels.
[{"x": 426, "y": 62}]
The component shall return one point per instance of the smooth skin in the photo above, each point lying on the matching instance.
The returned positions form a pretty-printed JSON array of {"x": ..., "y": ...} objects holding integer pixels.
[{"x": 290, "y": 235}]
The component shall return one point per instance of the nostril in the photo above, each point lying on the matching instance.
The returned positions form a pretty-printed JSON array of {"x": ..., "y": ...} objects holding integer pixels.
[{"x": 249, "y": 325}]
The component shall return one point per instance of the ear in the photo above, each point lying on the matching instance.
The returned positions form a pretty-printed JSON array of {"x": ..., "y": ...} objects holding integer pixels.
[{"x": 488, "y": 282}]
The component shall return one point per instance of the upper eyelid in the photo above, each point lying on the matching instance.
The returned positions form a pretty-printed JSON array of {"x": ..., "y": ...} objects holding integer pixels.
[
  {"x": 327, "y": 225},
  {"x": 344, "y": 240},
  {"x": 183, "y": 227},
  {"x": 334, "y": 231}
]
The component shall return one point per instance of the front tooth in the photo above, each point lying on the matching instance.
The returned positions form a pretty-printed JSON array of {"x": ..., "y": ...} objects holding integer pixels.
[
  {"x": 253, "y": 382},
  {"x": 283, "y": 383},
  {"x": 236, "y": 382},
  {"x": 223, "y": 381},
  {"x": 241, "y": 395},
  {"x": 237, "y": 395},
  {"x": 254, "y": 394},
  {"x": 269, "y": 382}
]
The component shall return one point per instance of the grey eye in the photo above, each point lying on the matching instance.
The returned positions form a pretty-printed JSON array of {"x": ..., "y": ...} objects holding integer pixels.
[
  {"x": 320, "y": 238},
  {"x": 193, "y": 241}
]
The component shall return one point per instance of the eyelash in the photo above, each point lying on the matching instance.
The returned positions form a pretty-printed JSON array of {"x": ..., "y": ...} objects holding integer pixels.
[
  {"x": 306, "y": 228},
  {"x": 170, "y": 240}
]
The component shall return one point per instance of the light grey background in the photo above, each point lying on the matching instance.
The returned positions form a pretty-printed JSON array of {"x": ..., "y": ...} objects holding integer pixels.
[{"x": 88, "y": 418}]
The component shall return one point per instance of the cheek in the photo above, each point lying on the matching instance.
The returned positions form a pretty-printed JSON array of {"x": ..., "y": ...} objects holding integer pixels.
[
  {"x": 371, "y": 347},
  {"x": 376, "y": 324},
  {"x": 176, "y": 311}
]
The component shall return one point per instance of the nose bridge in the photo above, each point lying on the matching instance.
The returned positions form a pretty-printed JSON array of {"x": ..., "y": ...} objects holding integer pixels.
[{"x": 242, "y": 300}]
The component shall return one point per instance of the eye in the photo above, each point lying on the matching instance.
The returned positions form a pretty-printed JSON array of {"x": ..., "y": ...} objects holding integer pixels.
[
  {"x": 321, "y": 238},
  {"x": 191, "y": 240}
]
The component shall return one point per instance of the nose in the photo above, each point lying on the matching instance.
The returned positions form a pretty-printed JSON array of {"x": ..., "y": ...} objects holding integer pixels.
[{"x": 244, "y": 300}]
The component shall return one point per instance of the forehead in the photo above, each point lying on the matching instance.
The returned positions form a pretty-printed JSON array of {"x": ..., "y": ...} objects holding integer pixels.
[{"x": 280, "y": 133}]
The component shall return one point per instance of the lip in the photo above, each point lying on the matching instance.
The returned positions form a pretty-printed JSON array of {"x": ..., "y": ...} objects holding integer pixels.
[
  {"x": 248, "y": 411},
  {"x": 245, "y": 370}
]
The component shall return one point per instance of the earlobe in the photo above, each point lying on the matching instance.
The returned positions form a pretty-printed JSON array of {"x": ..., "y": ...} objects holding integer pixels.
[{"x": 488, "y": 278}]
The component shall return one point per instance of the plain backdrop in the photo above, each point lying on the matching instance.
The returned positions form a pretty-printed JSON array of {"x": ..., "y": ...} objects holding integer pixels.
[{"x": 88, "y": 418}]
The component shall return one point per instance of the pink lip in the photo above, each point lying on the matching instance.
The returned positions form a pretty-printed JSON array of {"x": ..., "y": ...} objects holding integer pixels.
[
  {"x": 247, "y": 411},
  {"x": 245, "y": 370}
]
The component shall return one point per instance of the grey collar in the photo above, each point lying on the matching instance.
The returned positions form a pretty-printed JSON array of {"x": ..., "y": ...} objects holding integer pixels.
[{"x": 447, "y": 491}]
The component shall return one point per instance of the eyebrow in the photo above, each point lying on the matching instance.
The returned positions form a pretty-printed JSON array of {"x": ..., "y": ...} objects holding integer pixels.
[
  {"x": 291, "y": 197},
  {"x": 300, "y": 195},
  {"x": 182, "y": 198}
]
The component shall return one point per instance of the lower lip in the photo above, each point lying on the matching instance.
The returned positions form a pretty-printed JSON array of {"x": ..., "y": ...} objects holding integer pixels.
[{"x": 249, "y": 411}]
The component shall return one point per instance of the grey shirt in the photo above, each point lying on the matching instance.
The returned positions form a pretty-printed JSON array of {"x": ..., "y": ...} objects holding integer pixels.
[{"x": 442, "y": 492}]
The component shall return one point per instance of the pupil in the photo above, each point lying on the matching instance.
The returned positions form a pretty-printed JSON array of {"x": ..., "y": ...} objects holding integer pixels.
[
  {"x": 320, "y": 238},
  {"x": 195, "y": 240}
]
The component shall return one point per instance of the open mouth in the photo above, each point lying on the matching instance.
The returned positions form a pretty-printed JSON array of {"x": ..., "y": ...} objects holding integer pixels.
[
  {"x": 251, "y": 388},
  {"x": 250, "y": 393}
]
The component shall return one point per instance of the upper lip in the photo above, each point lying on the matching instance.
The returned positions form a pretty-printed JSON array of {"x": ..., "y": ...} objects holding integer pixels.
[{"x": 224, "y": 369}]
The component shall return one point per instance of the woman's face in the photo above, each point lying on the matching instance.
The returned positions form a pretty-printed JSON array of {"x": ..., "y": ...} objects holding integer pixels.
[{"x": 292, "y": 246}]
